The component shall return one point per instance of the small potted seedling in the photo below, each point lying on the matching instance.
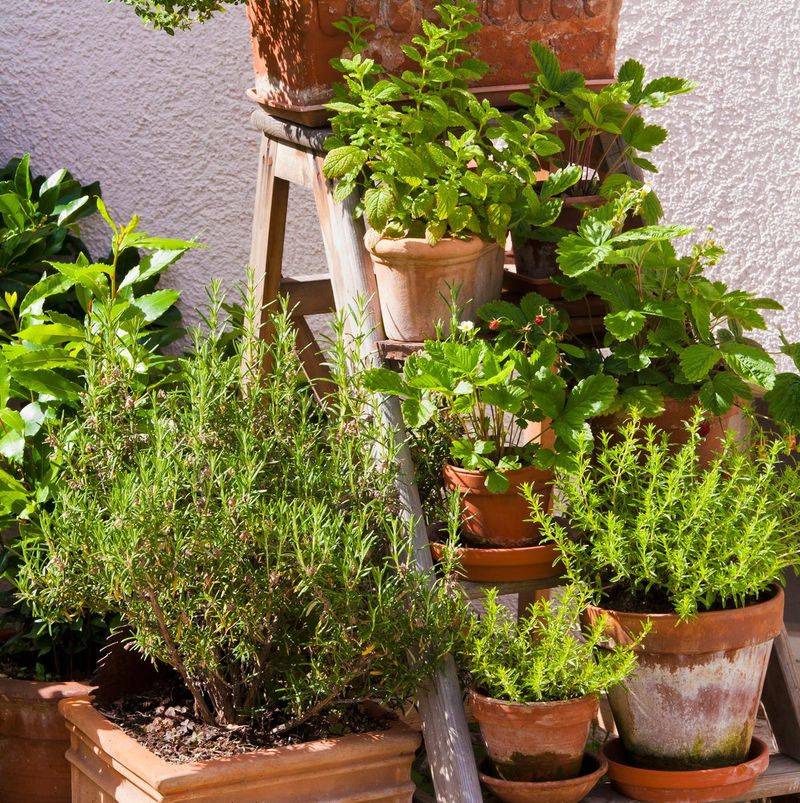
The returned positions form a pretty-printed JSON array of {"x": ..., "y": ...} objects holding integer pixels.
[{"x": 534, "y": 692}]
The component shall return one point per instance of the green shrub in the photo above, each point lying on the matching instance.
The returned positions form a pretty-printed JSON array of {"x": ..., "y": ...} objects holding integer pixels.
[
  {"x": 245, "y": 535},
  {"x": 666, "y": 531},
  {"x": 541, "y": 658},
  {"x": 175, "y": 15}
]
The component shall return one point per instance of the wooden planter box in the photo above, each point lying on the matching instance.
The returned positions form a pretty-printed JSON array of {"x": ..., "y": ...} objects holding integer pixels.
[
  {"x": 108, "y": 765},
  {"x": 293, "y": 44}
]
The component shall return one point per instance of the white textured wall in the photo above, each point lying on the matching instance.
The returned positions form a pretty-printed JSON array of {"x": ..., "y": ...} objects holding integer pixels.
[{"x": 162, "y": 123}]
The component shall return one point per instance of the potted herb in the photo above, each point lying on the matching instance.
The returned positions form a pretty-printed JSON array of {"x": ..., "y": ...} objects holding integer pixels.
[
  {"x": 601, "y": 129},
  {"x": 482, "y": 395},
  {"x": 43, "y": 361},
  {"x": 293, "y": 44},
  {"x": 696, "y": 552},
  {"x": 674, "y": 337},
  {"x": 534, "y": 692},
  {"x": 247, "y": 539}
]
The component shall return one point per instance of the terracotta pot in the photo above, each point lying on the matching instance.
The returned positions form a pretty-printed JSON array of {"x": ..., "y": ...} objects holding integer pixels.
[
  {"x": 698, "y": 786},
  {"x": 677, "y": 413},
  {"x": 692, "y": 701},
  {"x": 33, "y": 740},
  {"x": 414, "y": 277},
  {"x": 570, "y": 790},
  {"x": 498, "y": 520},
  {"x": 293, "y": 44},
  {"x": 534, "y": 741},
  {"x": 108, "y": 765},
  {"x": 537, "y": 260},
  {"x": 505, "y": 565}
]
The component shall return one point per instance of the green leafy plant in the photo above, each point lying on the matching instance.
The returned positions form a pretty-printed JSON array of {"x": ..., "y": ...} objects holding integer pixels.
[
  {"x": 670, "y": 330},
  {"x": 488, "y": 392},
  {"x": 540, "y": 658},
  {"x": 424, "y": 149},
  {"x": 173, "y": 15},
  {"x": 609, "y": 117},
  {"x": 660, "y": 531},
  {"x": 245, "y": 535},
  {"x": 39, "y": 219}
]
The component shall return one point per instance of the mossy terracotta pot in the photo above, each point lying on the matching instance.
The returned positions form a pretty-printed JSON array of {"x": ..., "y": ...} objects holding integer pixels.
[
  {"x": 108, "y": 765},
  {"x": 691, "y": 703},
  {"x": 534, "y": 741},
  {"x": 293, "y": 43},
  {"x": 674, "y": 420},
  {"x": 414, "y": 280},
  {"x": 698, "y": 786},
  {"x": 33, "y": 740},
  {"x": 498, "y": 520},
  {"x": 570, "y": 790}
]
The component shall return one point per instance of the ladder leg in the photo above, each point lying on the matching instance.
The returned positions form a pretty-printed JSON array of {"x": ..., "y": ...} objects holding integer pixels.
[
  {"x": 781, "y": 697},
  {"x": 441, "y": 708}
]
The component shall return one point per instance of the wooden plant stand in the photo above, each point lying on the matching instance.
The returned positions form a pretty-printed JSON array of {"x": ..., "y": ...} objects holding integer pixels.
[{"x": 293, "y": 154}]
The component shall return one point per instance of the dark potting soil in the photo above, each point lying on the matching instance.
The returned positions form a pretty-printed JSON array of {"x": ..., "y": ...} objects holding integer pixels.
[
  {"x": 163, "y": 721},
  {"x": 626, "y": 600}
]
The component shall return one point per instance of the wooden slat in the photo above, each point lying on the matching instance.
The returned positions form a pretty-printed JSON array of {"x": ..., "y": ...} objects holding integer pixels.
[
  {"x": 781, "y": 696},
  {"x": 444, "y": 725},
  {"x": 311, "y": 295},
  {"x": 521, "y": 587},
  {"x": 312, "y": 358}
]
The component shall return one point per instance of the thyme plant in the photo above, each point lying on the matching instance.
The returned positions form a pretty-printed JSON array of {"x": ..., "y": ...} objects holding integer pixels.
[
  {"x": 659, "y": 529},
  {"x": 243, "y": 534},
  {"x": 540, "y": 658},
  {"x": 175, "y": 15}
]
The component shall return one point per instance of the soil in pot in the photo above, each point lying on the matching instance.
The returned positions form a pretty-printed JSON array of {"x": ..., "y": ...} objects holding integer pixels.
[
  {"x": 692, "y": 701},
  {"x": 677, "y": 414},
  {"x": 488, "y": 565},
  {"x": 293, "y": 44},
  {"x": 698, "y": 786},
  {"x": 498, "y": 520},
  {"x": 107, "y": 764},
  {"x": 570, "y": 790},
  {"x": 414, "y": 280},
  {"x": 534, "y": 741}
]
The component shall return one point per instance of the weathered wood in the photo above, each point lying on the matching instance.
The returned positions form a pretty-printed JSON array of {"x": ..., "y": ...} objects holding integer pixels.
[
  {"x": 311, "y": 139},
  {"x": 527, "y": 588},
  {"x": 444, "y": 724},
  {"x": 781, "y": 697},
  {"x": 291, "y": 165},
  {"x": 311, "y": 295},
  {"x": 269, "y": 229}
]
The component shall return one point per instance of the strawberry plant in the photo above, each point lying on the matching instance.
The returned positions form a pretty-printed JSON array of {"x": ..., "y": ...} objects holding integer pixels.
[
  {"x": 425, "y": 150},
  {"x": 482, "y": 394}
]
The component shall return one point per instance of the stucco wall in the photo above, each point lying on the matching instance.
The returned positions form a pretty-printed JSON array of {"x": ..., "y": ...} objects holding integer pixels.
[{"x": 162, "y": 123}]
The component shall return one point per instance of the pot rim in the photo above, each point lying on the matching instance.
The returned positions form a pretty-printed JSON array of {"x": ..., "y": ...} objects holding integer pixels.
[
  {"x": 44, "y": 690},
  {"x": 545, "y": 474},
  {"x": 541, "y": 552},
  {"x": 412, "y": 249},
  {"x": 111, "y": 744},
  {"x": 719, "y": 777},
  {"x": 544, "y": 706},
  {"x": 706, "y": 632},
  {"x": 545, "y": 786}
]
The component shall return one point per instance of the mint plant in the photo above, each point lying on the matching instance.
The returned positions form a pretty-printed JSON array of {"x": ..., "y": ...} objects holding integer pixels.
[
  {"x": 173, "y": 15},
  {"x": 425, "y": 150},
  {"x": 486, "y": 393},
  {"x": 670, "y": 330},
  {"x": 662, "y": 530},
  {"x": 540, "y": 658}
]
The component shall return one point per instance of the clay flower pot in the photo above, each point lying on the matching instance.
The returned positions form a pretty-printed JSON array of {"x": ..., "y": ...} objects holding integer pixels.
[
  {"x": 660, "y": 786},
  {"x": 570, "y": 790},
  {"x": 33, "y": 740},
  {"x": 537, "y": 260},
  {"x": 486, "y": 565},
  {"x": 677, "y": 413},
  {"x": 534, "y": 741},
  {"x": 108, "y": 765},
  {"x": 414, "y": 278},
  {"x": 293, "y": 44},
  {"x": 691, "y": 703},
  {"x": 498, "y": 520}
]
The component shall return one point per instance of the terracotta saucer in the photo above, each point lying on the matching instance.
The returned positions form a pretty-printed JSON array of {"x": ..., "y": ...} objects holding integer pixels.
[
  {"x": 697, "y": 786},
  {"x": 569, "y": 791},
  {"x": 488, "y": 565}
]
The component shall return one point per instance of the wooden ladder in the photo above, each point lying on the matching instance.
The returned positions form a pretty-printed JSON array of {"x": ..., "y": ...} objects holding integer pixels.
[{"x": 293, "y": 154}]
